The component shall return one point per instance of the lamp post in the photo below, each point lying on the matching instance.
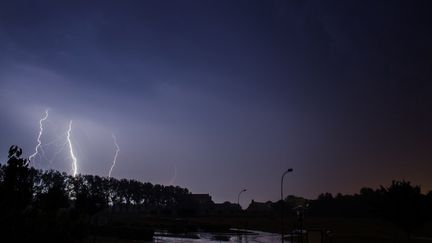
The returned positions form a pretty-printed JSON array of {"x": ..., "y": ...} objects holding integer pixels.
[
  {"x": 238, "y": 203},
  {"x": 282, "y": 199},
  {"x": 238, "y": 197}
]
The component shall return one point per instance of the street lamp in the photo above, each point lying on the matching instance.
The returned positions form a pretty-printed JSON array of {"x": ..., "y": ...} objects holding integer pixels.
[
  {"x": 238, "y": 197},
  {"x": 238, "y": 203},
  {"x": 282, "y": 199}
]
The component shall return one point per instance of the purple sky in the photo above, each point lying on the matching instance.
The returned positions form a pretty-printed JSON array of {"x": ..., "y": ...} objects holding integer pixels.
[{"x": 218, "y": 96}]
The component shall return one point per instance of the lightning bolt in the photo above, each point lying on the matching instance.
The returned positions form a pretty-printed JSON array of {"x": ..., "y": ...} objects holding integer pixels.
[
  {"x": 60, "y": 149},
  {"x": 115, "y": 155},
  {"x": 74, "y": 159},
  {"x": 39, "y": 136}
]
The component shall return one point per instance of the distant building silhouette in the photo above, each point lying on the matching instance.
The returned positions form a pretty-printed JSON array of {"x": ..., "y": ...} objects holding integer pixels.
[
  {"x": 226, "y": 208},
  {"x": 260, "y": 208},
  {"x": 201, "y": 199}
]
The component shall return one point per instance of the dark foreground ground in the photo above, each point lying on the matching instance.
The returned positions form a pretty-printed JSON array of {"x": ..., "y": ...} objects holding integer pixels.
[{"x": 343, "y": 230}]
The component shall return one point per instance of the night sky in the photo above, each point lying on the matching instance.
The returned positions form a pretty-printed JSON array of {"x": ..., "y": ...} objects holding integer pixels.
[{"x": 218, "y": 96}]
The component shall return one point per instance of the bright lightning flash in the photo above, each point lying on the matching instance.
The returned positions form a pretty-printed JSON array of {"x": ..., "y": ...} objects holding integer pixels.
[
  {"x": 74, "y": 159},
  {"x": 115, "y": 155},
  {"x": 39, "y": 136}
]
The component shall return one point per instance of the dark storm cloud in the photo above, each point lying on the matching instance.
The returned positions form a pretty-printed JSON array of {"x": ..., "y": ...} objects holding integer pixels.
[{"x": 229, "y": 93}]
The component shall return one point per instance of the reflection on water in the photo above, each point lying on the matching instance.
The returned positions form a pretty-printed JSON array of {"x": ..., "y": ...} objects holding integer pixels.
[{"x": 201, "y": 237}]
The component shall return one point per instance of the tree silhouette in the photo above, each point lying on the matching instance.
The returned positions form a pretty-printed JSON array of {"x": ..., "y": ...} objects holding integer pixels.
[
  {"x": 405, "y": 205},
  {"x": 16, "y": 193},
  {"x": 17, "y": 185},
  {"x": 54, "y": 193}
]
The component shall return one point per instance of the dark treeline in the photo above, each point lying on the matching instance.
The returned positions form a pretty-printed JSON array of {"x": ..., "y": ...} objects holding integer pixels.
[
  {"x": 54, "y": 206},
  {"x": 397, "y": 199},
  {"x": 400, "y": 203}
]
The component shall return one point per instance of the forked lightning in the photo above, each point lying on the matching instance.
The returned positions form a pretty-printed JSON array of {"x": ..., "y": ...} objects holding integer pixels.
[
  {"x": 74, "y": 159},
  {"x": 39, "y": 135},
  {"x": 115, "y": 155}
]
